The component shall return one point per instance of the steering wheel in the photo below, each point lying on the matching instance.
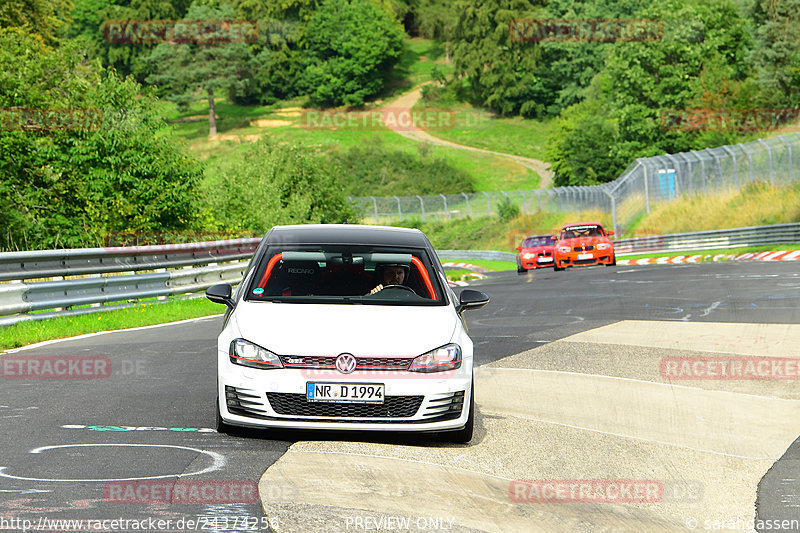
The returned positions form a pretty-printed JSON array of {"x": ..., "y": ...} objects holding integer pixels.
[{"x": 404, "y": 287}]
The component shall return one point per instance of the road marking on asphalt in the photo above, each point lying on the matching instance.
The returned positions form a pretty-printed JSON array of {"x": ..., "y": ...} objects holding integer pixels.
[
  {"x": 137, "y": 428},
  {"x": 218, "y": 462}
]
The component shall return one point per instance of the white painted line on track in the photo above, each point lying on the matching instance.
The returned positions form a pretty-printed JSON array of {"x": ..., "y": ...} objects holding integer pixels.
[{"x": 218, "y": 463}]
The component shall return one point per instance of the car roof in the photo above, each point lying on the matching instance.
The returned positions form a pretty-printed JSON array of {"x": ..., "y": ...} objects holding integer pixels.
[
  {"x": 347, "y": 234},
  {"x": 581, "y": 224}
]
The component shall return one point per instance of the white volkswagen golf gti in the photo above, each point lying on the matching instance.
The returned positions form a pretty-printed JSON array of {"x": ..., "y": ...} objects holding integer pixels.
[{"x": 346, "y": 327}]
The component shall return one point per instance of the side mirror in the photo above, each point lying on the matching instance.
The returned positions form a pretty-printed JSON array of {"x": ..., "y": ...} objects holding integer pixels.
[
  {"x": 471, "y": 299},
  {"x": 220, "y": 294},
  {"x": 611, "y": 233},
  {"x": 519, "y": 248},
  {"x": 555, "y": 238}
]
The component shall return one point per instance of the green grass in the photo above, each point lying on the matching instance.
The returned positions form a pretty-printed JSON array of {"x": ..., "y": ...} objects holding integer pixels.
[
  {"x": 491, "y": 266},
  {"x": 145, "y": 314},
  {"x": 487, "y": 172},
  {"x": 457, "y": 275},
  {"x": 417, "y": 63},
  {"x": 482, "y": 129},
  {"x": 491, "y": 233},
  {"x": 755, "y": 204}
]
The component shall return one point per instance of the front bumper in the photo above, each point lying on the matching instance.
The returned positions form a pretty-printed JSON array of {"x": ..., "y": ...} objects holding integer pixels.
[
  {"x": 603, "y": 257},
  {"x": 276, "y": 399}
]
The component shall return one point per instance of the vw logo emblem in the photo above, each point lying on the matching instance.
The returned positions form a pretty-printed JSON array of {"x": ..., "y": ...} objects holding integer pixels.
[{"x": 346, "y": 363}]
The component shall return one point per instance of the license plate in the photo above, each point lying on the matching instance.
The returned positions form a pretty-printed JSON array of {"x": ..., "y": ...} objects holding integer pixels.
[
  {"x": 345, "y": 392},
  {"x": 545, "y": 259},
  {"x": 585, "y": 256}
]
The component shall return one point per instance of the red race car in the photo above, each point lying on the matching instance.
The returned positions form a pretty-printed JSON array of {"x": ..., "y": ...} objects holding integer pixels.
[
  {"x": 585, "y": 243},
  {"x": 536, "y": 251}
]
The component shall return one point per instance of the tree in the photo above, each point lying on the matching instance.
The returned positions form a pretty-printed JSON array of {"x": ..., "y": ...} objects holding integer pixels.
[
  {"x": 582, "y": 146},
  {"x": 776, "y": 52},
  {"x": 184, "y": 69},
  {"x": 352, "y": 47},
  {"x": 703, "y": 52},
  {"x": 100, "y": 167},
  {"x": 90, "y": 16},
  {"x": 500, "y": 72},
  {"x": 46, "y": 18}
]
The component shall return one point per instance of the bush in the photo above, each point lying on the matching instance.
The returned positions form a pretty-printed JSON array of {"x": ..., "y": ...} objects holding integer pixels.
[
  {"x": 371, "y": 169},
  {"x": 278, "y": 184},
  {"x": 507, "y": 211}
]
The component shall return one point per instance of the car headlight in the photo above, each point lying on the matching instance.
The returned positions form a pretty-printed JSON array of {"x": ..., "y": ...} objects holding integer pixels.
[
  {"x": 528, "y": 256},
  {"x": 246, "y": 353},
  {"x": 603, "y": 246},
  {"x": 564, "y": 249},
  {"x": 447, "y": 357}
]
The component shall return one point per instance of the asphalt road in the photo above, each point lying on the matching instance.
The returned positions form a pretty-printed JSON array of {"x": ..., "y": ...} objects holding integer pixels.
[{"x": 65, "y": 442}]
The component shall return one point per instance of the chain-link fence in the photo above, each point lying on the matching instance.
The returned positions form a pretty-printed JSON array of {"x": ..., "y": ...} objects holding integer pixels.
[{"x": 645, "y": 183}]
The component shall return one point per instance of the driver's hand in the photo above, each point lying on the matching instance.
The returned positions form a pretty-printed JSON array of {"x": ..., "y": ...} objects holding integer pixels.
[{"x": 376, "y": 289}]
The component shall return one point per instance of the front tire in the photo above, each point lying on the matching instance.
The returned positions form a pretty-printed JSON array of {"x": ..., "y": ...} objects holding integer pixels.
[
  {"x": 222, "y": 427},
  {"x": 613, "y": 260},
  {"x": 464, "y": 435},
  {"x": 520, "y": 269},
  {"x": 557, "y": 268}
]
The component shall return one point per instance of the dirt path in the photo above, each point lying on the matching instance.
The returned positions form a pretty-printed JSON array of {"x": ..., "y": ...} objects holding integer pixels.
[{"x": 409, "y": 99}]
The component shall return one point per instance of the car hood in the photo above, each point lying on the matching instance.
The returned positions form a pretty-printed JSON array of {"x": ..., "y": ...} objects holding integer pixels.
[
  {"x": 537, "y": 249},
  {"x": 327, "y": 329},
  {"x": 584, "y": 240}
]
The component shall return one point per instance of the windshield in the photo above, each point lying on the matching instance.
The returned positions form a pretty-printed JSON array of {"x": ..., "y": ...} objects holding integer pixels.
[
  {"x": 345, "y": 274},
  {"x": 576, "y": 232},
  {"x": 538, "y": 240}
]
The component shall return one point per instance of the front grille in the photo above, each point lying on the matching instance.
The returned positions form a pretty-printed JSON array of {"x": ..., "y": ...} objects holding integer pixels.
[
  {"x": 545, "y": 254},
  {"x": 583, "y": 248},
  {"x": 297, "y": 405},
  {"x": 371, "y": 363}
]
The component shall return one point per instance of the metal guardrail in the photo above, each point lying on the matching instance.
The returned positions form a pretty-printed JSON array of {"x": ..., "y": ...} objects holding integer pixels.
[
  {"x": 20, "y": 297},
  {"x": 82, "y": 261},
  {"x": 488, "y": 255},
  {"x": 710, "y": 240}
]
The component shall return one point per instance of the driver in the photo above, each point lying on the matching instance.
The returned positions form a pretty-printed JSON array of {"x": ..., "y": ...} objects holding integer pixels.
[{"x": 393, "y": 274}]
